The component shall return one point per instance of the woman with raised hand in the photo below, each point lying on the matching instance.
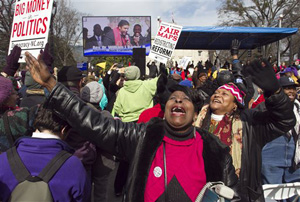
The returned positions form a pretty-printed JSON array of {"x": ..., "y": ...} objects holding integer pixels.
[
  {"x": 246, "y": 131},
  {"x": 170, "y": 160}
]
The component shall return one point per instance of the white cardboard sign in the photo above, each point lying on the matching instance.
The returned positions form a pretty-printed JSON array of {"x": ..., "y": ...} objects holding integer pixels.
[
  {"x": 184, "y": 62},
  {"x": 165, "y": 42},
  {"x": 30, "y": 26}
]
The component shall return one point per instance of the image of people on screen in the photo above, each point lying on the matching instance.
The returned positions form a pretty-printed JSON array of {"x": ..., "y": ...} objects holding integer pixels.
[
  {"x": 85, "y": 36},
  {"x": 137, "y": 39},
  {"x": 118, "y": 36},
  {"x": 96, "y": 39}
]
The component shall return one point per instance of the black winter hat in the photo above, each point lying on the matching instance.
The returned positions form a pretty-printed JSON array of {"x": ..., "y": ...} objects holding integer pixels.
[
  {"x": 224, "y": 77},
  {"x": 69, "y": 73}
]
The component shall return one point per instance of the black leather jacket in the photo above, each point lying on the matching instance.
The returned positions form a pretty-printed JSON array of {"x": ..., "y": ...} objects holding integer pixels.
[
  {"x": 136, "y": 143},
  {"x": 259, "y": 128}
]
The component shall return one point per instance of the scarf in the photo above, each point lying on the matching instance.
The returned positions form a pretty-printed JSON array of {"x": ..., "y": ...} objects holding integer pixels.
[
  {"x": 228, "y": 130},
  {"x": 120, "y": 40}
]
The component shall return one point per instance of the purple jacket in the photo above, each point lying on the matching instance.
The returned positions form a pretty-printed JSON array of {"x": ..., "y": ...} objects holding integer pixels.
[{"x": 70, "y": 183}]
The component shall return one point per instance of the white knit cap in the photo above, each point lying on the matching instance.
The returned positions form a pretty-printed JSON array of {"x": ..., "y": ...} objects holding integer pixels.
[{"x": 92, "y": 92}]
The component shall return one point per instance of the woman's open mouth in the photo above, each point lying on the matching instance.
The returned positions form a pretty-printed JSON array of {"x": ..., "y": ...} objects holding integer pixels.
[
  {"x": 178, "y": 111},
  {"x": 216, "y": 101}
]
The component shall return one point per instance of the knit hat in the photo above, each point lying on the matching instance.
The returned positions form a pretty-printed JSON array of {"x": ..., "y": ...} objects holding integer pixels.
[
  {"x": 224, "y": 77},
  {"x": 69, "y": 73},
  {"x": 186, "y": 83},
  {"x": 92, "y": 92},
  {"x": 30, "y": 83},
  {"x": 6, "y": 88},
  {"x": 235, "y": 91},
  {"x": 132, "y": 73}
]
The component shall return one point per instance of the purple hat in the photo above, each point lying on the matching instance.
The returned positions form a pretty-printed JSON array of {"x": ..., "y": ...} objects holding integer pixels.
[
  {"x": 6, "y": 88},
  {"x": 288, "y": 69}
]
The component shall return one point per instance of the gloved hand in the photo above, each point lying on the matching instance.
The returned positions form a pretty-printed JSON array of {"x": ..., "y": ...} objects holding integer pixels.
[
  {"x": 47, "y": 57},
  {"x": 235, "y": 45},
  {"x": 263, "y": 76},
  {"x": 12, "y": 59}
]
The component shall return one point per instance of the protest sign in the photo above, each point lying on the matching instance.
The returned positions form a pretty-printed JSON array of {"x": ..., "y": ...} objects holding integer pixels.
[
  {"x": 30, "y": 26},
  {"x": 184, "y": 62},
  {"x": 165, "y": 42}
]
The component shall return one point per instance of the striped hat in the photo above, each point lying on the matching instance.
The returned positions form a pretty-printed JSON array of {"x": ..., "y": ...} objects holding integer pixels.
[{"x": 235, "y": 91}]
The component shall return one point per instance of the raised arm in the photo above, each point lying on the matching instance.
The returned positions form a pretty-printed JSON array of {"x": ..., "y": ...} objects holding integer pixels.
[
  {"x": 279, "y": 117},
  {"x": 110, "y": 135}
]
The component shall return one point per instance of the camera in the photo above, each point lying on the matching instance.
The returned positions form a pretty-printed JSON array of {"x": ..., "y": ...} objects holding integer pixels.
[{"x": 120, "y": 65}]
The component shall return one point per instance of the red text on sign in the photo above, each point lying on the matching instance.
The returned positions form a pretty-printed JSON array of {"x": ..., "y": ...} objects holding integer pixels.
[
  {"x": 30, "y": 27},
  {"x": 168, "y": 33}
]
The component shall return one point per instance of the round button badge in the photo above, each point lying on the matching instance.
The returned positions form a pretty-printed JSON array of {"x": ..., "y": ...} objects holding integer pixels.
[{"x": 157, "y": 171}]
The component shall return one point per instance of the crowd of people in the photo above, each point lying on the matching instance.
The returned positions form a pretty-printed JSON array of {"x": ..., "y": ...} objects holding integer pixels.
[
  {"x": 171, "y": 133},
  {"x": 116, "y": 36}
]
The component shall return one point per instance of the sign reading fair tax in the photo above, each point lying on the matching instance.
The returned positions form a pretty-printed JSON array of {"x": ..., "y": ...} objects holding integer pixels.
[
  {"x": 31, "y": 26},
  {"x": 165, "y": 42}
]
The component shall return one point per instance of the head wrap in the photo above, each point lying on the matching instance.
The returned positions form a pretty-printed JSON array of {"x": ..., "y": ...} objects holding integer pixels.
[{"x": 235, "y": 91}]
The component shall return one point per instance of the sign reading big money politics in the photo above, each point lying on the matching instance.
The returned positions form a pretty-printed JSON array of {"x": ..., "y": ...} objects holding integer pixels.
[
  {"x": 30, "y": 26},
  {"x": 165, "y": 41}
]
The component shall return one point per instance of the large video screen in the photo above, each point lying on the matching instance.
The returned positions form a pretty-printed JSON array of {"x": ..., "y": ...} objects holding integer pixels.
[{"x": 115, "y": 35}]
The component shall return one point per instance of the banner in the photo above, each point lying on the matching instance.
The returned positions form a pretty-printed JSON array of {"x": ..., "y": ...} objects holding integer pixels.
[
  {"x": 30, "y": 26},
  {"x": 165, "y": 42},
  {"x": 184, "y": 62}
]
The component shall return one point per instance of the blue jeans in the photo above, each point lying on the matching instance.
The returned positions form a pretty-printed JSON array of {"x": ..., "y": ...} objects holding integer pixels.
[{"x": 277, "y": 158}]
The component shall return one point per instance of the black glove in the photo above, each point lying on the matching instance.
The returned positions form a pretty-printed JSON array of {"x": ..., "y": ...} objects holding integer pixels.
[
  {"x": 47, "y": 57},
  {"x": 235, "y": 45},
  {"x": 12, "y": 59},
  {"x": 263, "y": 76}
]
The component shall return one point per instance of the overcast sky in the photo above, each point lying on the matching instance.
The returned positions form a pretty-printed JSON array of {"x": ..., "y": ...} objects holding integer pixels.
[{"x": 186, "y": 12}]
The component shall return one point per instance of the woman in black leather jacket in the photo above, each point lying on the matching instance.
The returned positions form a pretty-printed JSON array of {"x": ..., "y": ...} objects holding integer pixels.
[
  {"x": 191, "y": 156},
  {"x": 246, "y": 131}
]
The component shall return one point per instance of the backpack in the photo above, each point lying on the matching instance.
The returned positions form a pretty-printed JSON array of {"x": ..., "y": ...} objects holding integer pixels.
[
  {"x": 33, "y": 188},
  {"x": 23, "y": 120}
]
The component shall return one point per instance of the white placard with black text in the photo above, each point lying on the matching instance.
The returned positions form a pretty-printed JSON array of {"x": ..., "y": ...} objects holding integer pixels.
[
  {"x": 165, "y": 42},
  {"x": 31, "y": 26}
]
